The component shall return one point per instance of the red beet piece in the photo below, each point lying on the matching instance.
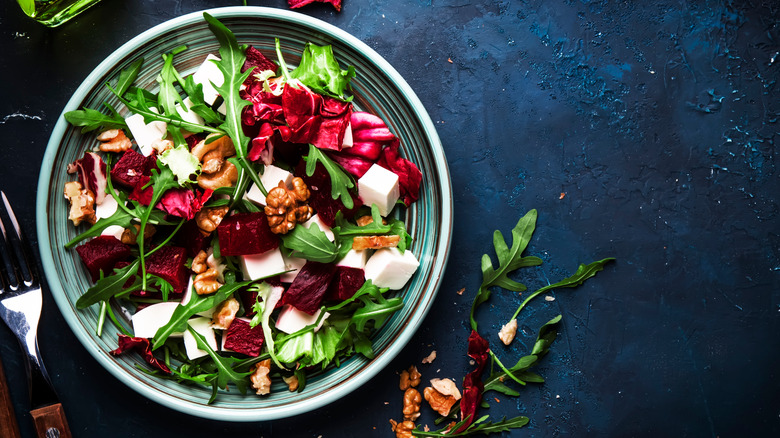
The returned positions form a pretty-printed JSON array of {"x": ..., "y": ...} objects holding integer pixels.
[
  {"x": 102, "y": 254},
  {"x": 190, "y": 238},
  {"x": 346, "y": 281},
  {"x": 309, "y": 287},
  {"x": 255, "y": 58},
  {"x": 168, "y": 264},
  {"x": 242, "y": 338},
  {"x": 246, "y": 233},
  {"x": 128, "y": 170}
]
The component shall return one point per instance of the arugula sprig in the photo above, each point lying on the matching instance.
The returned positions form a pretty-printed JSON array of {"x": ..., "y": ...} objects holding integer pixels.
[
  {"x": 232, "y": 57},
  {"x": 510, "y": 259},
  {"x": 340, "y": 180},
  {"x": 480, "y": 426}
]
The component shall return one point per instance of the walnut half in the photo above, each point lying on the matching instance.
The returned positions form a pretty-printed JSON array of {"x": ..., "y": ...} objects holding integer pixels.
[
  {"x": 82, "y": 203},
  {"x": 286, "y": 208}
]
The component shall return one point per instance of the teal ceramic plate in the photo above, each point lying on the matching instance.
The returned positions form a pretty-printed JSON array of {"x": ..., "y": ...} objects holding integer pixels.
[{"x": 378, "y": 88}]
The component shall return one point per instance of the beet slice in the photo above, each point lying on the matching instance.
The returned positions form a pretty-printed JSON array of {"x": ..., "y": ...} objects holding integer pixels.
[
  {"x": 346, "y": 281},
  {"x": 102, "y": 254},
  {"x": 309, "y": 287},
  {"x": 246, "y": 233},
  {"x": 128, "y": 170},
  {"x": 242, "y": 338},
  {"x": 168, "y": 264}
]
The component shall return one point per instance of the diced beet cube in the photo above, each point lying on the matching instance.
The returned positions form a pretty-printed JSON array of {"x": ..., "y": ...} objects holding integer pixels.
[
  {"x": 190, "y": 238},
  {"x": 101, "y": 254},
  {"x": 309, "y": 287},
  {"x": 346, "y": 281},
  {"x": 194, "y": 139},
  {"x": 129, "y": 169},
  {"x": 168, "y": 264},
  {"x": 246, "y": 233},
  {"x": 242, "y": 338}
]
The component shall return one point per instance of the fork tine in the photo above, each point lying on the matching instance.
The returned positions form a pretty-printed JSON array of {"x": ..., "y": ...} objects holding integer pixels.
[{"x": 19, "y": 253}]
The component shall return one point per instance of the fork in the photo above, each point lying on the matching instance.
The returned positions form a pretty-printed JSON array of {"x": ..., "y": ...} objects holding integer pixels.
[{"x": 20, "y": 307}]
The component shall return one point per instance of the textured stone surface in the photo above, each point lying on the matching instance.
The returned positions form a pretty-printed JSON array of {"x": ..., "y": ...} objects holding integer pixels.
[{"x": 640, "y": 130}]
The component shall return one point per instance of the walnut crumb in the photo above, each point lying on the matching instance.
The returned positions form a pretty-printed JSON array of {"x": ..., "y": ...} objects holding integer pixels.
[
  {"x": 508, "y": 332},
  {"x": 461, "y": 290},
  {"x": 549, "y": 298},
  {"x": 430, "y": 358},
  {"x": 409, "y": 378}
]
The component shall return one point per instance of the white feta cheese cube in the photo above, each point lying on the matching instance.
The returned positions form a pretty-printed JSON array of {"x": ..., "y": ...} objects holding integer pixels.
[
  {"x": 222, "y": 109},
  {"x": 207, "y": 73},
  {"x": 270, "y": 178},
  {"x": 146, "y": 134},
  {"x": 293, "y": 263},
  {"x": 348, "y": 142},
  {"x": 387, "y": 267},
  {"x": 355, "y": 258},
  {"x": 379, "y": 186},
  {"x": 187, "y": 114},
  {"x": 262, "y": 265},
  {"x": 148, "y": 320},
  {"x": 291, "y": 320},
  {"x": 203, "y": 327},
  {"x": 324, "y": 228}
]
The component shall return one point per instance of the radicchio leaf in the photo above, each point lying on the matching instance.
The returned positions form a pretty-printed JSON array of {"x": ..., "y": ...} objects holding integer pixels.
[
  {"x": 183, "y": 202},
  {"x": 262, "y": 146},
  {"x": 294, "y": 4},
  {"x": 143, "y": 347},
  {"x": 356, "y": 166},
  {"x": 472, "y": 383},
  {"x": 92, "y": 174},
  {"x": 254, "y": 58},
  {"x": 312, "y": 118},
  {"x": 409, "y": 176}
]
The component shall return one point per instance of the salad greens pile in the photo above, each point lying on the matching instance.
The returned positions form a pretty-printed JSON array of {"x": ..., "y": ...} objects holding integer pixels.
[{"x": 159, "y": 211}]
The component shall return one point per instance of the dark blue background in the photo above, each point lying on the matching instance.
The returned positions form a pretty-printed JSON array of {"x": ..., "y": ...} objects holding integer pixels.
[{"x": 640, "y": 130}]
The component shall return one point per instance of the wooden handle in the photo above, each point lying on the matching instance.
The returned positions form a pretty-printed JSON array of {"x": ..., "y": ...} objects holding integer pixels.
[
  {"x": 8, "y": 425},
  {"x": 50, "y": 422}
]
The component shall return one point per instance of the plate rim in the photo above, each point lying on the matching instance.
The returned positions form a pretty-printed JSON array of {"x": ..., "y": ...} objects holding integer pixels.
[{"x": 442, "y": 250}]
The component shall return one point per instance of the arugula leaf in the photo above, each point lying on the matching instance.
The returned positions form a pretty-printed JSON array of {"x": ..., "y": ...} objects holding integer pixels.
[
  {"x": 266, "y": 308},
  {"x": 232, "y": 57},
  {"x": 510, "y": 259},
  {"x": 320, "y": 71},
  {"x": 377, "y": 311},
  {"x": 108, "y": 287},
  {"x": 127, "y": 76},
  {"x": 481, "y": 426},
  {"x": 196, "y": 304},
  {"x": 583, "y": 273},
  {"x": 90, "y": 120},
  {"x": 226, "y": 374},
  {"x": 310, "y": 243},
  {"x": 340, "y": 180},
  {"x": 168, "y": 96}
]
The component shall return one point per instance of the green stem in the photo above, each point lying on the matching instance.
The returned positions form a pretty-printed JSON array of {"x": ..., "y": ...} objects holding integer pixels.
[
  {"x": 501, "y": 365},
  {"x": 116, "y": 321}
]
